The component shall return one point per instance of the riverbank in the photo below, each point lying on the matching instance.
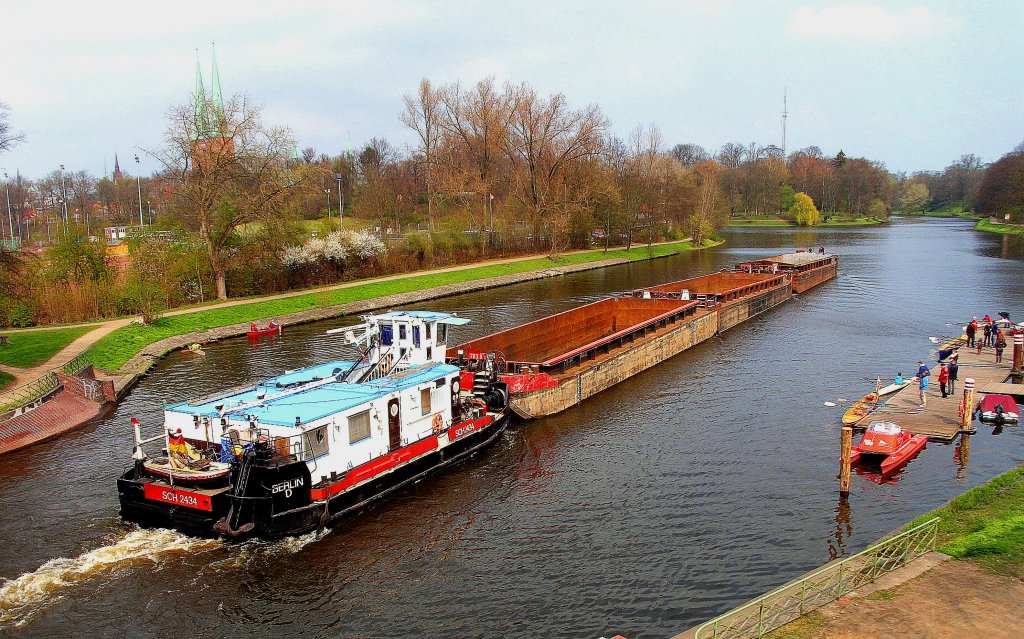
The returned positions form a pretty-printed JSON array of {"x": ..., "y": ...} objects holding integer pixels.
[
  {"x": 991, "y": 227},
  {"x": 112, "y": 343},
  {"x": 982, "y": 530},
  {"x": 767, "y": 221}
]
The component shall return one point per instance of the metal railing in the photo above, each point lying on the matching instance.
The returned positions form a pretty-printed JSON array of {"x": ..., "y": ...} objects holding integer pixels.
[
  {"x": 782, "y": 605},
  {"x": 39, "y": 388}
]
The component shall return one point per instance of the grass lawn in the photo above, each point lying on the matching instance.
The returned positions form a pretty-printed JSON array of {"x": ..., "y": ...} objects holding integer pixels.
[
  {"x": 860, "y": 221},
  {"x": 5, "y": 379},
  {"x": 30, "y": 348},
  {"x": 777, "y": 221},
  {"x": 986, "y": 524},
  {"x": 113, "y": 350},
  {"x": 985, "y": 225}
]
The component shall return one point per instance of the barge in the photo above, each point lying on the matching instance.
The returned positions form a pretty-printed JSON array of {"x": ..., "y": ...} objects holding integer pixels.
[
  {"x": 556, "y": 362},
  {"x": 808, "y": 269},
  {"x": 300, "y": 451}
]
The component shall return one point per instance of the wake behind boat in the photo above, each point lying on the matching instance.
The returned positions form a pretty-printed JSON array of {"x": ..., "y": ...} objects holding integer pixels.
[{"x": 299, "y": 451}]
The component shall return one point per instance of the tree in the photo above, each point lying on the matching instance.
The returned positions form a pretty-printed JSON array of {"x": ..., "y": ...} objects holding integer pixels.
[
  {"x": 421, "y": 115},
  {"x": 786, "y": 197},
  {"x": 546, "y": 139},
  {"x": 878, "y": 210},
  {"x": 225, "y": 169},
  {"x": 8, "y": 137},
  {"x": 690, "y": 154},
  {"x": 914, "y": 197},
  {"x": 701, "y": 223},
  {"x": 804, "y": 211},
  {"x": 1002, "y": 187}
]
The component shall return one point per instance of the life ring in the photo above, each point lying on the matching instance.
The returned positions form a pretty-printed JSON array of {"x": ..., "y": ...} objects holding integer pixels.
[{"x": 438, "y": 423}]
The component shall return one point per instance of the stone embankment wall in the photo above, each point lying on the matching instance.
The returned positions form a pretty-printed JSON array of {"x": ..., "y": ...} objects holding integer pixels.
[{"x": 143, "y": 361}]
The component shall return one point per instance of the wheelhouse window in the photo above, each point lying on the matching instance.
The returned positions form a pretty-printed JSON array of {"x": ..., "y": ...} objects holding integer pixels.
[
  {"x": 358, "y": 426},
  {"x": 316, "y": 442},
  {"x": 442, "y": 333},
  {"x": 425, "y": 401},
  {"x": 401, "y": 331}
]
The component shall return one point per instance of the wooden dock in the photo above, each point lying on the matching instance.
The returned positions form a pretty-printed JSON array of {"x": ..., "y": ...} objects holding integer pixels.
[{"x": 940, "y": 419}]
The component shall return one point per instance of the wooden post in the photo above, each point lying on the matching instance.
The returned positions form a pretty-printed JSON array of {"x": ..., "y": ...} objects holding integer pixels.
[
  {"x": 844, "y": 461},
  {"x": 968, "y": 416},
  {"x": 1018, "y": 356}
]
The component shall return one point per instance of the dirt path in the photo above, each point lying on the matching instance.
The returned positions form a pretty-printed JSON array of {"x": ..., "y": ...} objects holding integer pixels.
[{"x": 956, "y": 599}]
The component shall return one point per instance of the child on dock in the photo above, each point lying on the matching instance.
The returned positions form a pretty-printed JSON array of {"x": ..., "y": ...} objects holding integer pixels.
[{"x": 1000, "y": 344}]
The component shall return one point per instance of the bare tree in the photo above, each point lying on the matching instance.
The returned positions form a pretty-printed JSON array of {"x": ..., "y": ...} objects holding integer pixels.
[
  {"x": 223, "y": 179},
  {"x": 545, "y": 139},
  {"x": 8, "y": 137},
  {"x": 421, "y": 115}
]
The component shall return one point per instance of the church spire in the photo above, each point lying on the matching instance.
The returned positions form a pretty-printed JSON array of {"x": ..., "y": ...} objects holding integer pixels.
[
  {"x": 202, "y": 119},
  {"x": 215, "y": 96}
]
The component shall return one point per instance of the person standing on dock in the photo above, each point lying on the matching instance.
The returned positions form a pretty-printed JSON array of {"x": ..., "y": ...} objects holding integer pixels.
[
  {"x": 987, "y": 333},
  {"x": 1000, "y": 344},
  {"x": 954, "y": 370},
  {"x": 943, "y": 379},
  {"x": 971, "y": 329},
  {"x": 922, "y": 382}
]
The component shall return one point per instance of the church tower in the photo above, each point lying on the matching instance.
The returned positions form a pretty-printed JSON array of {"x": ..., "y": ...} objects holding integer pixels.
[{"x": 211, "y": 143}]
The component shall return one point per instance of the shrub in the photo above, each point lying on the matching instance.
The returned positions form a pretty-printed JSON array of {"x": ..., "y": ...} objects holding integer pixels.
[{"x": 21, "y": 315}]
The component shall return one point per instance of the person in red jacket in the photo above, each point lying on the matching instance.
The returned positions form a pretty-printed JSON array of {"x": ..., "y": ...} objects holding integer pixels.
[{"x": 943, "y": 379}]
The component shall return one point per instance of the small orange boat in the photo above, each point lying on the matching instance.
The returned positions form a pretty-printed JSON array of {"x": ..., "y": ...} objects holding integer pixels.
[{"x": 888, "y": 444}]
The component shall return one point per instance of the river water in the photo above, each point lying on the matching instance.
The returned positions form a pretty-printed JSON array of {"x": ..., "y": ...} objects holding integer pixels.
[{"x": 659, "y": 503}]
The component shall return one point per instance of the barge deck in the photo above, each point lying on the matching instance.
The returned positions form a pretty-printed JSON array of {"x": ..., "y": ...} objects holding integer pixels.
[{"x": 558, "y": 361}]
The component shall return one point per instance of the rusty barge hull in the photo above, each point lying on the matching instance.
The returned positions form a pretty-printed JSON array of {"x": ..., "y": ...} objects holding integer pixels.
[
  {"x": 579, "y": 353},
  {"x": 806, "y": 268}
]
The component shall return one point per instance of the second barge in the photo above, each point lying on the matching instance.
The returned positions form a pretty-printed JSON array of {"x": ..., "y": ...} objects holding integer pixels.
[{"x": 556, "y": 362}]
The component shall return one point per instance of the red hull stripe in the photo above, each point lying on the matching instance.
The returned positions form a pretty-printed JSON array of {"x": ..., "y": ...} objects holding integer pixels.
[
  {"x": 381, "y": 465},
  {"x": 371, "y": 469},
  {"x": 177, "y": 497},
  {"x": 465, "y": 428}
]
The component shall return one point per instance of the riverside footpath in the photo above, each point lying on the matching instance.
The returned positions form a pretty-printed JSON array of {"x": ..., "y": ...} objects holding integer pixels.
[{"x": 123, "y": 349}]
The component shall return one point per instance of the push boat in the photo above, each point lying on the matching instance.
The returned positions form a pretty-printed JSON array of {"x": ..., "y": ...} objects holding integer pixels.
[
  {"x": 888, "y": 445},
  {"x": 299, "y": 451},
  {"x": 998, "y": 410},
  {"x": 273, "y": 328}
]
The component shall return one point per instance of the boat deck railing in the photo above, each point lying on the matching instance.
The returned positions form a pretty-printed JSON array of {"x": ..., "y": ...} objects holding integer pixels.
[{"x": 782, "y": 605}]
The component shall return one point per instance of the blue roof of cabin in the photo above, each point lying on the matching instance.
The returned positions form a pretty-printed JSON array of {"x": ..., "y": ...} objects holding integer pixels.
[
  {"x": 313, "y": 404},
  {"x": 426, "y": 316}
]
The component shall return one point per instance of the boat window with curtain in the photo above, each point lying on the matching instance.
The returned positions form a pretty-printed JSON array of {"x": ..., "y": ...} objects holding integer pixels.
[{"x": 358, "y": 426}]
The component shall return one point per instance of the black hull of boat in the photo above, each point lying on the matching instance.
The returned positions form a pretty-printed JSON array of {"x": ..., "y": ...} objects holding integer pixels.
[{"x": 297, "y": 521}]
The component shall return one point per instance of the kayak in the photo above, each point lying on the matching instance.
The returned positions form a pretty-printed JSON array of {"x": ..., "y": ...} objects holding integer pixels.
[
  {"x": 860, "y": 409},
  {"x": 892, "y": 388}
]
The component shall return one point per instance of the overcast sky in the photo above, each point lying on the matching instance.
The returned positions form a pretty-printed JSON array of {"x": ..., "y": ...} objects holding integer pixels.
[{"x": 914, "y": 85}]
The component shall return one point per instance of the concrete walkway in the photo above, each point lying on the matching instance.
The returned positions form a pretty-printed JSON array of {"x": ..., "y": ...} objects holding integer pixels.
[{"x": 103, "y": 328}]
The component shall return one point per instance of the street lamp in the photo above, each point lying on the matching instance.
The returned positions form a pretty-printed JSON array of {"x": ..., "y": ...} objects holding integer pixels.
[
  {"x": 328, "y": 192},
  {"x": 138, "y": 182},
  {"x": 64, "y": 198},
  {"x": 341, "y": 200},
  {"x": 10, "y": 216}
]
